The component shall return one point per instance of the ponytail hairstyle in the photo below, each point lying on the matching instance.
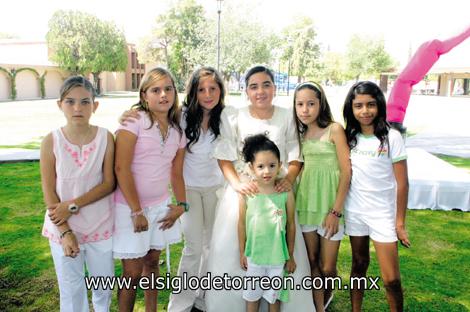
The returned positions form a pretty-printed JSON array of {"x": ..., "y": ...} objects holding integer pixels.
[
  {"x": 73, "y": 82},
  {"x": 325, "y": 118}
]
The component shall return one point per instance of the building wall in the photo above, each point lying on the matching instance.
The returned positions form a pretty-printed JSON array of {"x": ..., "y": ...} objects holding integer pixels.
[
  {"x": 135, "y": 71},
  {"x": 447, "y": 82},
  {"x": 113, "y": 81},
  {"x": 4, "y": 87},
  {"x": 27, "y": 83},
  {"x": 54, "y": 80},
  {"x": 27, "y": 86},
  {"x": 35, "y": 55}
]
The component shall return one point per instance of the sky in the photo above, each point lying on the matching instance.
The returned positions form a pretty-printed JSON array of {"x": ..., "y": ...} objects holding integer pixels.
[{"x": 403, "y": 24}]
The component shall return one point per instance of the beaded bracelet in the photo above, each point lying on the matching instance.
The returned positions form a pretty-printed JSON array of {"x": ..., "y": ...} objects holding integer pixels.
[
  {"x": 336, "y": 213},
  {"x": 137, "y": 213}
]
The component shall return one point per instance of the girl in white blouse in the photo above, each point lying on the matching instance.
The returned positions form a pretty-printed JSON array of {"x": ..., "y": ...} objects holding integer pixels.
[{"x": 277, "y": 123}]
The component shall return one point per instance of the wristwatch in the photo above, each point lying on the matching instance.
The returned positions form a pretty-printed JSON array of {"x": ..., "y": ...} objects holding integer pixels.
[
  {"x": 184, "y": 205},
  {"x": 73, "y": 208}
]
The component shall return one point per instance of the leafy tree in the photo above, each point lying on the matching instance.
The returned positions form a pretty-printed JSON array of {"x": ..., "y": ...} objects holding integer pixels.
[
  {"x": 244, "y": 42},
  {"x": 81, "y": 43},
  {"x": 301, "y": 48},
  {"x": 367, "y": 56},
  {"x": 334, "y": 68},
  {"x": 179, "y": 39}
]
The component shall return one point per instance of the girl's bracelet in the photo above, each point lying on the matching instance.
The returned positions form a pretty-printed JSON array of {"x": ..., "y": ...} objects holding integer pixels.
[
  {"x": 336, "y": 213},
  {"x": 62, "y": 235},
  {"x": 137, "y": 213}
]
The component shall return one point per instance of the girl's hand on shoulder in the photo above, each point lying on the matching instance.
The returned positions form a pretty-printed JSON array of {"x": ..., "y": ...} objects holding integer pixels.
[
  {"x": 128, "y": 116},
  {"x": 290, "y": 265},
  {"x": 246, "y": 188},
  {"x": 59, "y": 213},
  {"x": 70, "y": 245},
  {"x": 140, "y": 223},
  {"x": 331, "y": 225},
  {"x": 171, "y": 217},
  {"x": 244, "y": 262},
  {"x": 403, "y": 236},
  {"x": 283, "y": 185}
]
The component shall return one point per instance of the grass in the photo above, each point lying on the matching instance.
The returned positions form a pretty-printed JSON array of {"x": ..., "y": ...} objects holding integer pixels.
[
  {"x": 33, "y": 145},
  {"x": 457, "y": 161},
  {"x": 434, "y": 270}
]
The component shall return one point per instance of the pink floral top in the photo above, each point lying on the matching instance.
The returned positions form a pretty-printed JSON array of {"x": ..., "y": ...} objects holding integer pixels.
[{"x": 77, "y": 173}]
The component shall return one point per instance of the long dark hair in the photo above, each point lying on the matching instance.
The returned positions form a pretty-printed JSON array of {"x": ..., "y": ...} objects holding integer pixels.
[
  {"x": 381, "y": 126},
  {"x": 148, "y": 80},
  {"x": 194, "y": 113},
  {"x": 325, "y": 118}
]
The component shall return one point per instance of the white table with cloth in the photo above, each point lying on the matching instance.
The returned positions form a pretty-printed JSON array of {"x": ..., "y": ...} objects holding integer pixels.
[{"x": 435, "y": 183}]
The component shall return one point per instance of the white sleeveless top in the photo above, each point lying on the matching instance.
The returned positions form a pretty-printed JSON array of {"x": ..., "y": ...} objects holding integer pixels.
[{"x": 77, "y": 173}]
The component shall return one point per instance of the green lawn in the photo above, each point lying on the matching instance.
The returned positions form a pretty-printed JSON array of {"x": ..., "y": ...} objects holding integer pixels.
[{"x": 435, "y": 269}]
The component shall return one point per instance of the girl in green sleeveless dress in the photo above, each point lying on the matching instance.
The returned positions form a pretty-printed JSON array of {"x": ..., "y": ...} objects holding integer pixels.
[
  {"x": 266, "y": 225},
  {"x": 323, "y": 185}
]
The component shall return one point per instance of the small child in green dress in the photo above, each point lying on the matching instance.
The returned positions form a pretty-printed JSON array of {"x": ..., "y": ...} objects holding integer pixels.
[
  {"x": 323, "y": 185},
  {"x": 266, "y": 226}
]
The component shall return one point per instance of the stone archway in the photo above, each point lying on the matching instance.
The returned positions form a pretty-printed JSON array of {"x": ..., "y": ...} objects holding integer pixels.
[
  {"x": 5, "y": 85},
  {"x": 27, "y": 84}
]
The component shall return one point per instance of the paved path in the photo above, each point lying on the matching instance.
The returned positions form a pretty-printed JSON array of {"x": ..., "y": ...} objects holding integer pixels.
[{"x": 430, "y": 117}]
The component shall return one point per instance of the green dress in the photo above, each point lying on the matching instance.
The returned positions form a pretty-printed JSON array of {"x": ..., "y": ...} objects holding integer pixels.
[
  {"x": 266, "y": 229},
  {"x": 266, "y": 243},
  {"x": 316, "y": 192}
]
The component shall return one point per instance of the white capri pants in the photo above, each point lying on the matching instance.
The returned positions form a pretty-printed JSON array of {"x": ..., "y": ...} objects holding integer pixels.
[
  {"x": 98, "y": 258},
  {"x": 197, "y": 226}
]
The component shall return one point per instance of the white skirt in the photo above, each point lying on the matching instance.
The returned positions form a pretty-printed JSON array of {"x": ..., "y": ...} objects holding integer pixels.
[
  {"x": 130, "y": 245},
  {"x": 224, "y": 257}
]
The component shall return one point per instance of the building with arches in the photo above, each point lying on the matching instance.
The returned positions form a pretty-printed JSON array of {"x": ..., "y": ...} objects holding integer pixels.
[{"x": 27, "y": 73}]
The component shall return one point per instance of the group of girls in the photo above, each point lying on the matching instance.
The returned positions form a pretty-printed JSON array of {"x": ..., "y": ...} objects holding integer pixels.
[{"x": 256, "y": 224}]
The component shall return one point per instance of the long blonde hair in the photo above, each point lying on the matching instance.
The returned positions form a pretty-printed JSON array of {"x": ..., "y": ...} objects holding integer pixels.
[{"x": 148, "y": 80}]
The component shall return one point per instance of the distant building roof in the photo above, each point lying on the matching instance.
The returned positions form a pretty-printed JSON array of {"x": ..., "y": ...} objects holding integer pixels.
[{"x": 26, "y": 53}]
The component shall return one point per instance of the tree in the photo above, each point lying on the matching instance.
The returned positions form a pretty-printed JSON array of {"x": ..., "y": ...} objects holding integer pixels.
[
  {"x": 81, "y": 43},
  {"x": 334, "y": 68},
  {"x": 179, "y": 39},
  {"x": 301, "y": 49},
  {"x": 367, "y": 56},
  {"x": 244, "y": 42}
]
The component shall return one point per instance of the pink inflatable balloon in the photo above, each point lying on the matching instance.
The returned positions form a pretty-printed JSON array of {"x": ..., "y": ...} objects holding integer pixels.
[{"x": 419, "y": 65}]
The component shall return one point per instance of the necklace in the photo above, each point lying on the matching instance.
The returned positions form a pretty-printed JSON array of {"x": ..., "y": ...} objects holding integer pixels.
[{"x": 163, "y": 138}]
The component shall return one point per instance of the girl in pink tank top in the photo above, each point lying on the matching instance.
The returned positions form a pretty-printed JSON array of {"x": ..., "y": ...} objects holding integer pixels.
[{"x": 77, "y": 179}]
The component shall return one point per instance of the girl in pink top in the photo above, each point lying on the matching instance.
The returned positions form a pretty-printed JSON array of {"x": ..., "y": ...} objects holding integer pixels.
[
  {"x": 149, "y": 155},
  {"x": 77, "y": 178}
]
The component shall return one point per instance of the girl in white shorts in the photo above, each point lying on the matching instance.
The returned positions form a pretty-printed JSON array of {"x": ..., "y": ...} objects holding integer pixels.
[
  {"x": 376, "y": 203},
  {"x": 266, "y": 226},
  {"x": 149, "y": 155},
  {"x": 323, "y": 185}
]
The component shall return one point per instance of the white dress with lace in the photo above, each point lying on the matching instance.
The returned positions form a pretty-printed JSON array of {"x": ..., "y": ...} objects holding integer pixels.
[{"x": 224, "y": 251}]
